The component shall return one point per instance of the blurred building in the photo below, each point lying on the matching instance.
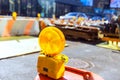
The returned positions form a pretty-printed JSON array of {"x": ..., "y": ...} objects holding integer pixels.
[{"x": 49, "y": 7}]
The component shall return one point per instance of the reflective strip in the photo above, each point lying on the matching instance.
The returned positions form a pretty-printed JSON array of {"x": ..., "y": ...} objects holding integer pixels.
[
  {"x": 42, "y": 25},
  {"x": 8, "y": 28},
  {"x": 28, "y": 28},
  {"x": 3, "y": 24},
  {"x": 35, "y": 29},
  {"x": 18, "y": 27}
]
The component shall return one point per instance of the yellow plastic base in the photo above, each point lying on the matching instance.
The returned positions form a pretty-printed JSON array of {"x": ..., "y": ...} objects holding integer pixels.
[{"x": 50, "y": 66}]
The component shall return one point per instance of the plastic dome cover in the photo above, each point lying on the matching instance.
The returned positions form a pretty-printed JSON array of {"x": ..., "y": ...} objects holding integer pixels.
[{"x": 51, "y": 41}]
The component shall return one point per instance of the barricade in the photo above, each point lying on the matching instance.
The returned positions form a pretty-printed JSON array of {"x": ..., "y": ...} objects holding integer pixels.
[
  {"x": 11, "y": 27},
  {"x": 3, "y": 24},
  {"x": 112, "y": 42}
]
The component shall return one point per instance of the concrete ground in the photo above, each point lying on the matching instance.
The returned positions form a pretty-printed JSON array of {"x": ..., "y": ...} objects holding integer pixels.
[
  {"x": 82, "y": 54},
  {"x": 12, "y": 48}
]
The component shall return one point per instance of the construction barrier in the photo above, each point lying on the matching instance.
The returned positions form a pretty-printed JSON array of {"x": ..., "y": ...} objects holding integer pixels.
[
  {"x": 3, "y": 24},
  {"x": 112, "y": 42},
  {"x": 9, "y": 27}
]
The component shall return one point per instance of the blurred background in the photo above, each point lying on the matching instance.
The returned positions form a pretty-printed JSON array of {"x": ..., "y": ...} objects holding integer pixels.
[{"x": 58, "y": 7}]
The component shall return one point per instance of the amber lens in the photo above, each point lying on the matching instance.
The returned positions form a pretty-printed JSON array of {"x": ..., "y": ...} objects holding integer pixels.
[{"x": 51, "y": 40}]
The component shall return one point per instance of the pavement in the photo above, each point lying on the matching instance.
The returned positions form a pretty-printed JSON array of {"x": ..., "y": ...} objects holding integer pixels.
[
  {"x": 12, "y": 48},
  {"x": 82, "y": 55}
]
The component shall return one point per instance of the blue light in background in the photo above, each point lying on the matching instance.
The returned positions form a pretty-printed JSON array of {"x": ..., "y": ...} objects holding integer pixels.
[{"x": 87, "y": 2}]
